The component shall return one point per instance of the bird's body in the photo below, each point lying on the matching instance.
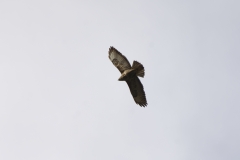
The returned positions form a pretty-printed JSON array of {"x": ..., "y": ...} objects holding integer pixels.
[{"x": 130, "y": 75}]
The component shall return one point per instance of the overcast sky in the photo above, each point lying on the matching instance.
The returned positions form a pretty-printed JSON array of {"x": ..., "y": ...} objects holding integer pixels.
[{"x": 60, "y": 98}]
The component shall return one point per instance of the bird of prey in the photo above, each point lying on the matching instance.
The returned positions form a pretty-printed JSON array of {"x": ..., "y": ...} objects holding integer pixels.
[{"x": 130, "y": 75}]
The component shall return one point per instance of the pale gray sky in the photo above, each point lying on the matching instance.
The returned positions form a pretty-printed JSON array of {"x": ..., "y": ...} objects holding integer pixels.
[{"x": 60, "y": 98}]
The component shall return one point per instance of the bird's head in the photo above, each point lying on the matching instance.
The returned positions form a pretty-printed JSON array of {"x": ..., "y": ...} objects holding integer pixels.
[
  {"x": 122, "y": 78},
  {"x": 126, "y": 74}
]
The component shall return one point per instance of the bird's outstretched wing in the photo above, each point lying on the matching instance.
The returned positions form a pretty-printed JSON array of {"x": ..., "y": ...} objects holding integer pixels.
[
  {"x": 137, "y": 91},
  {"x": 118, "y": 60}
]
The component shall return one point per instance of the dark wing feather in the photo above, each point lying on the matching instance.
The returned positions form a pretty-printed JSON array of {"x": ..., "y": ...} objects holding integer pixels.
[
  {"x": 118, "y": 60},
  {"x": 137, "y": 91}
]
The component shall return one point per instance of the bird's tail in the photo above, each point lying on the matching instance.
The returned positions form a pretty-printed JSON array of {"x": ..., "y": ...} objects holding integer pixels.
[{"x": 139, "y": 68}]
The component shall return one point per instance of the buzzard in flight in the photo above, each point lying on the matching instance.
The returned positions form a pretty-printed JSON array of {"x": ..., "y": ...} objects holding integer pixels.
[{"x": 130, "y": 75}]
